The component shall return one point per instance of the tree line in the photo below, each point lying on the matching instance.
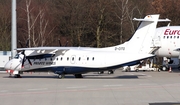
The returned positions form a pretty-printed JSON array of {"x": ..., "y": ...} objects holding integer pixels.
[{"x": 90, "y": 23}]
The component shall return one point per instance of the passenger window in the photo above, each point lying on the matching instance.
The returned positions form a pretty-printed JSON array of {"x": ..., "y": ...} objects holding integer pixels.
[
  {"x": 67, "y": 58},
  {"x": 79, "y": 58},
  {"x": 93, "y": 58},
  {"x": 164, "y": 37},
  {"x": 178, "y": 37},
  {"x": 174, "y": 37},
  {"x": 87, "y": 58},
  {"x": 171, "y": 37},
  {"x": 61, "y": 58},
  {"x": 167, "y": 37},
  {"x": 57, "y": 59},
  {"x": 72, "y": 58}
]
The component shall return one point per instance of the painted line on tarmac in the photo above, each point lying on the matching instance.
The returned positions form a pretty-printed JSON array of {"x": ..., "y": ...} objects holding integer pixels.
[
  {"x": 129, "y": 88},
  {"x": 146, "y": 84},
  {"x": 112, "y": 85},
  {"x": 3, "y": 91},
  {"x": 37, "y": 89},
  {"x": 173, "y": 84},
  {"x": 78, "y": 87}
]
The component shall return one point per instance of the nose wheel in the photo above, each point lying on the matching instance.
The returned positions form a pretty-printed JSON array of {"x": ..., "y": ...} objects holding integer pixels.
[{"x": 17, "y": 76}]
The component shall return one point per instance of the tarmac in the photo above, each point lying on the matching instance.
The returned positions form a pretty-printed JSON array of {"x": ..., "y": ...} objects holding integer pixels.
[{"x": 120, "y": 88}]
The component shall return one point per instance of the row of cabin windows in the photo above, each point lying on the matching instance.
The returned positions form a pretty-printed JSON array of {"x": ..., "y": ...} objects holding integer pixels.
[
  {"x": 68, "y": 59},
  {"x": 167, "y": 37}
]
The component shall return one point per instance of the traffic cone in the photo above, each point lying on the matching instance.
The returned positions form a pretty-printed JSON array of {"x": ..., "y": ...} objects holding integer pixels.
[{"x": 170, "y": 70}]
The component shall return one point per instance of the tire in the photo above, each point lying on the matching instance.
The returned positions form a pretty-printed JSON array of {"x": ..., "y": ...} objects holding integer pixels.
[
  {"x": 78, "y": 75},
  {"x": 164, "y": 68},
  {"x": 178, "y": 67},
  {"x": 101, "y": 72},
  {"x": 110, "y": 72},
  {"x": 60, "y": 76}
]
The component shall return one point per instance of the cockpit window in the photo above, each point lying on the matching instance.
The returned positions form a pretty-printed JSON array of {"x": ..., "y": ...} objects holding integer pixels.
[{"x": 16, "y": 56}]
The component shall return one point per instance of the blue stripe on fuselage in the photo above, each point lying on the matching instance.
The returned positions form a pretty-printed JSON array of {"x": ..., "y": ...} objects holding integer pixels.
[{"x": 81, "y": 70}]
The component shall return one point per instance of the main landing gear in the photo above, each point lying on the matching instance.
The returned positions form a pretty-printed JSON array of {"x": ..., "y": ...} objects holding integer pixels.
[
  {"x": 109, "y": 72},
  {"x": 60, "y": 76},
  {"x": 78, "y": 75}
]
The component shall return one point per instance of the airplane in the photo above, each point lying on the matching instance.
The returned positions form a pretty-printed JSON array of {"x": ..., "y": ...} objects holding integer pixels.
[
  {"x": 168, "y": 39},
  {"x": 80, "y": 60}
]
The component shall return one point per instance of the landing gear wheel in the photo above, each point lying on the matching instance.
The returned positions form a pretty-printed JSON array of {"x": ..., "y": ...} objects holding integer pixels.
[
  {"x": 78, "y": 75},
  {"x": 17, "y": 76},
  {"x": 110, "y": 71},
  {"x": 101, "y": 72},
  {"x": 178, "y": 67},
  {"x": 60, "y": 76}
]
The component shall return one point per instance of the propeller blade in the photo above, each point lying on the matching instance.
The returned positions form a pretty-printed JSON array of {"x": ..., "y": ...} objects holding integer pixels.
[
  {"x": 66, "y": 43},
  {"x": 20, "y": 44},
  {"x": 29, "y": 62},
  {"x": 59, "y": 42},
  {"x": 23, "y": 53},
  {"x": 23, "y": 61},
  {"x": 27, "y": 43}
]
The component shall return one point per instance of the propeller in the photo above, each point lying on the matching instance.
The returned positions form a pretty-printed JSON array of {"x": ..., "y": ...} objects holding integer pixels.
[
  {"x": 66, "y": 43},
  {"x": 23, "y": 53},
  {"x": 59, "y": 42}
]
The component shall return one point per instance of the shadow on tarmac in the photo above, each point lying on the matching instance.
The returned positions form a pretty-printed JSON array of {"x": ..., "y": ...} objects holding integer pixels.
[
  {"x": 165, "y": 103},
  {"x": 86, "y": 76}
]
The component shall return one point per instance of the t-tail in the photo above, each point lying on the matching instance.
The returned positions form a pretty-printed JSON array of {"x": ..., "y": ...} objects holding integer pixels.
[{"x": 141, "y": 41}]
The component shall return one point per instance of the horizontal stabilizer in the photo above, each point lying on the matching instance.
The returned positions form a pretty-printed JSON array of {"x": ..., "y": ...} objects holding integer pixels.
[
  {"x": 149, "y": 18},
  {"x": 164, "y": 20}
]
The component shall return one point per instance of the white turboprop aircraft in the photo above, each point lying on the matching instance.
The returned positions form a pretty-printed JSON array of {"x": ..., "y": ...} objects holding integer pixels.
[
  {"x": 168, "y": 39},
  {"x": 79, "y": 60}
]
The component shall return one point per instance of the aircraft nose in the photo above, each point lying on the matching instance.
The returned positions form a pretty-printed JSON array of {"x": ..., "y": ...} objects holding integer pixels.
[
  {"x": 13, "y": 64},
  {"x": 7, "y": 66}
]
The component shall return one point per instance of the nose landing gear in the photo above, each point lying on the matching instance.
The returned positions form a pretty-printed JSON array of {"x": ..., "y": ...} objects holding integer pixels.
[{"x": 17, "y": 76}]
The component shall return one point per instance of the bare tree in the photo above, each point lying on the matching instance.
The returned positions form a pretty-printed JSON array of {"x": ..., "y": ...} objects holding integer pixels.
[
  {"x": 5, "y": 25},
  {"x": 123, "y": 8},
  {"x": 38, "y": 29}
]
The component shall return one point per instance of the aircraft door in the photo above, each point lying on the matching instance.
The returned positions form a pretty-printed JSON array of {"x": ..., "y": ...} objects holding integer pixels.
[{"x": 73, "y": 59}]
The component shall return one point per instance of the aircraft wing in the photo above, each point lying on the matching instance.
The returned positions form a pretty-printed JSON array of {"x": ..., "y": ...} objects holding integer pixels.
[
  {"x": 44, "y": 52},
  {"x": 46, "y": 48}
]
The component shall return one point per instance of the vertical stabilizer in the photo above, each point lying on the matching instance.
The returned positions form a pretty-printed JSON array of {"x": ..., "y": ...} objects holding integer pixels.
[{"x": 141, "y": 41}]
